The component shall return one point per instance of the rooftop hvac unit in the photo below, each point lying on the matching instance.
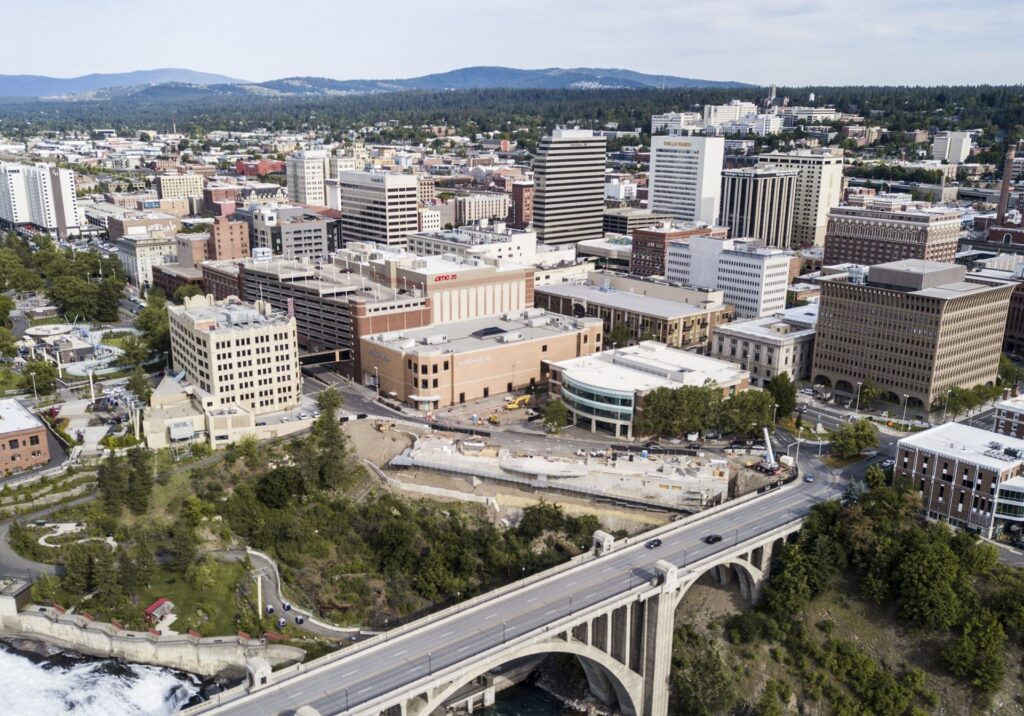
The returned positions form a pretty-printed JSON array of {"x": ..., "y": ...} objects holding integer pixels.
[
  {"x": 996, "y": 445},
  {"x": 512, "y": 316},
  {"x": 538, "y": 321},
  {"x": 434, "y": 340},
  {"x": 510, "y": 337},
  {"x": 533, "y": 312}
]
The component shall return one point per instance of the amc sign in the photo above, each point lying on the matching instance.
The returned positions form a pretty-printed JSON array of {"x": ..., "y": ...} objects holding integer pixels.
[{"x": 445, "y": 277}]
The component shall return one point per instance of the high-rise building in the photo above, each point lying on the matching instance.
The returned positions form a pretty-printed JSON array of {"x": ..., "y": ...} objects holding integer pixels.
[
  {"x": 891, "y": 227},
  {"x": 474, "y": 207},
  {"x": 179, "y": 186},
  {"x": 378, "y": 207},
  {"x": 952, "y": 147},
  {"x": 241, "y": 355},
  {"x": 306, "y": 171},
  {"x": 521, "y": 213},
  {"x": 716, "y": 115},
  {"x": 291, "y": 231},
  {"x": 650, "y": 245},
  {"x": 759, "y": 202},
  {"x": 627, "y": 219},
  {"x": 229, "y": 240},
  {"x": 686, "y": 177},
  {"x": 569, "y": 186},
  {"x": 819, "y": 187},
  {"x": 913, "y": 328},
  {"x": 40, "y": 194},
  {"x": 754, "y": 278},
  {"x": 676, "y": 122}
]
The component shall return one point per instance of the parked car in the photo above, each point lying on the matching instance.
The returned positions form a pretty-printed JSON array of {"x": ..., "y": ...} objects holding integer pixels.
[
  {"x": 653, "y": 544},
  {"x": 713, "y": 539},
  {"x": 270, "y": 608},
  {"x": 287, "y": 606},
  {"x": 809, "y": 477},
  {"x": 806, "y": 391},
  {"x": 303, "y": 415},
  {"x": 281, "y": 623},
  {"x": 887, "y": 464},
  {"x": 299, "y": 619}
]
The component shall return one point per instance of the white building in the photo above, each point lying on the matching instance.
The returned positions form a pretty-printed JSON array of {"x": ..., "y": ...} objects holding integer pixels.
[
  {"x": 765, "y": 347},
  {"x": 716, "y": 115},
  {"x": 754, "y": 278},
  {"x": 676, "y": 122},
  {"x": 39, "y": 194},
  {"x": 604, "y": 391},
  {"x": 428, "y": 219},
  {"x": 474, "y": 207},
  {"x": 179, "y": 186},
  {"x": 496, "y": 241},
  {"x": 139, "y": 253},
  {"x": 568, "y": 200},
  {"x": 686, "y": 177},
  {"x": 378, "y": 206},
  {"x": 241, "y": 355},
  {"x": 620, "y": 189},
  {"x": 819, "y": 187},
  {"x": 306, "y": 172},
  {"x": 952, "y": 147}
]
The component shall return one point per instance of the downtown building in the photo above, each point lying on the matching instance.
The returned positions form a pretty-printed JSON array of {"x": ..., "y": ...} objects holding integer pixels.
[
  {"x": 760, "y": 202},
  {"x": 476, "y": 207},
  {"x": 568, "y": 200},
  {"x": 686, "y": 177},
  {"x": 306, "y": 172},
  {"x": 649, "y": 252},
  {"x": 179, "y": 186},
  {"x": 891, "y": 227},
  {"x": 913, "y": 328},
  {"x": 766, "y": 347},
  {"x": 39, "y": 195},
  {"x": 819, "y": 187},
  {"x": 377, "y": 206}
]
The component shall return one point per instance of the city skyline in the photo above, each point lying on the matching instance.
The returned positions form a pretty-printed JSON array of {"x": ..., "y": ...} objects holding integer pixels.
[{"x": 948, "y": 42}]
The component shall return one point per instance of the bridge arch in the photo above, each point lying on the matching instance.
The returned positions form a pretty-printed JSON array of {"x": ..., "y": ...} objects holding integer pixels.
[
  {"x": 749, "y": 576},
  {"x": 626, "y": 685}
]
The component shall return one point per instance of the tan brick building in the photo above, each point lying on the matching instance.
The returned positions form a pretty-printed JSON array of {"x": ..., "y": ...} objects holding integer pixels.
[
  {"x": 913, "y": 328},
  {"x": 650, "y": 245},
  {"x": 23, "y": 443}
]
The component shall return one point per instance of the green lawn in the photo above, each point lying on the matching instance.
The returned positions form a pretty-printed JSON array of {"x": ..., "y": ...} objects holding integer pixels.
[
  {"x": 9, "y": 380},
  {"x": 211, "y": 613},
  {"x": 49, "y": 320}
]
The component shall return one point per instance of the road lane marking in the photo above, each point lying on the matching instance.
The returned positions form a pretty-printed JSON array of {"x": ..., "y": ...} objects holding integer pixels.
[
  {"x": 447, "y": 633},
  {"x": 363, "y": 691},
  {"x": 531, "y": 600},
  {"x": 550, "y": 611},
  {"x": 490, "y": 616},
  {"x": 401, "y": 652},
  {"x": 590, "y": 595},
  {"x": 570, "y": 584},
  {"x": 463, "y": 649},
  {"x": 350, "y": 673},
  {"x": 607, "y": 569}
]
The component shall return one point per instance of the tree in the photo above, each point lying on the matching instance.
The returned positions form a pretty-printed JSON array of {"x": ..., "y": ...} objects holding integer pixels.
[
  {"x": 978, "y": 655},
  {"x": 620, "y": 336},
  {"x": 138, "y": 383},
  {"x": 134, "y": 350},
  {"x": 108, "y": 296},
  {"x": 74, "y": 296},
  {"x": 112, "y": 482},
  {"x": 154, "y": 323},
  {"x": 556, "y": 415},
  {"x": 145, "y": 563},
  {"x": 926, "y": 577},
  {"x": 184, "y": 547},
  {"x": 105, "y": 576},
  {"x": 43, "y": 372},
  {"x": 875, "y": 477},
  {"x": 140, "y": 480},
  {"x": 202, "y": 575},
  {"x": 77, "y": 568},
  {"x": 960, "y": 400},
  {"x": 788, "y": 592},
  {"x": 8, "y": 347},
  {"x": 1009, "y": 372},
  {"x": 869, "y": 393},
  {"x": 784, "y": 392},
  {"x": 850, "y": 439},
  {"x": 186, "y": 291}
]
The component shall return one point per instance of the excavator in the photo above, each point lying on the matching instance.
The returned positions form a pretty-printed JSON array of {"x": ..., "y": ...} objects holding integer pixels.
[{"x": 516, "y": 403}]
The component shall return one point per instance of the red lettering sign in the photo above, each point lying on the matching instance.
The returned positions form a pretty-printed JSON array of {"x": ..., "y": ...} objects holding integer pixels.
[{"x": 446, "y": 277}]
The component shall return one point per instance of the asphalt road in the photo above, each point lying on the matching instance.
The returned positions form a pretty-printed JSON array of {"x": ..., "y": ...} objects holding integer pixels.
[
  {"x": 381, "y": 669},
  {"x": 13, "y": 564}
]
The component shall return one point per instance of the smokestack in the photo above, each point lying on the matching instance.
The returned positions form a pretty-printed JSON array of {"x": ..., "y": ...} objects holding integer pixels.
[{"x": 1004, "y": 190}]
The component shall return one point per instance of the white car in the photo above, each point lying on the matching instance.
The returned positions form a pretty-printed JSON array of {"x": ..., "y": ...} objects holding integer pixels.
[
  {"x": 303, "y": 416},
  {"x": 806, "y": 391}
]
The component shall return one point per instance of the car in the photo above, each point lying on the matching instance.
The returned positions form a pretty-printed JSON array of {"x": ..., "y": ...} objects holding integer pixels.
[
  {"x": 806, "y": 391},
  {"x": 695, "y": 446},
  {"x": 713, "y": 539},
  {"x": 651, "y": 445},
  {"x": 285, "y": 418},
  {"x": 281, "y": 623},
  {"x": 316, "y": 413},
  {"x": 270, "y": 608},
  {"x": 581, "y": 452},
  {"x": 303, "y": 415},
  {"x": 596, "y": 453},
  {"x": 886, "y": 464},
  {"x": 261, "y": 423},
  {"x": 287, "y": 606},
  {"x": 299, "y": 619},
  {"x": 653, "y": 543},
  {"x": 808, "y": 477}
]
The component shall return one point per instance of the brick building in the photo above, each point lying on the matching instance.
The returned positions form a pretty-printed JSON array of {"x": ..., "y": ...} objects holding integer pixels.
[{"x": 23, "y": 444}]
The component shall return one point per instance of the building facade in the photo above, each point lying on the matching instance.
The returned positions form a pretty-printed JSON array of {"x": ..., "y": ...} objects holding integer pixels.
[
  {"x": 952, "y": 147},
  {"x": 476, "y": 207},
  {"x": 760, "y": 202},
  {"x": 139, "y": 254},
  {"x": 686, "y": 177},
  {"x": 765, "y": 347},
  {"x": 520, "y": 214},
  {"x": 819, "y": 187},
  {"x": 240, "y": 354},
  {"x": 913, "y": 328},
  {"x": 23, "y": 440},
  {"x": 179, "y": 186},
  {"x": 754, "y": 278},
  {"x": 378, "y": 207},
  {"x": 39, "y": 194},
  {"x": 649, "y": 250},
  {"x": 292, "y": 232},
  {"x": 568, "y": 199},
  {"x": 626, "y": 220},
  {"x": 891, "y": 227},
  {"x": 1010, "y": 417},
  {"x": 229, "y": 240},
  {"x": 305, "y": 173}
]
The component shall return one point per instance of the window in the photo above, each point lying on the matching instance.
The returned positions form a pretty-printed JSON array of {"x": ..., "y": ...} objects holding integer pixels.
[
  {"x": 544, "y": 348},
  {"x": 435, "y": 380},
  {"x": 12, "y": 444},
  {"x": 446, "y": 365},
  {"x": 487, "y": 392},
  {"x": 434, "y": 371},
  {"x": 462, "y": 398},
  {"x": 508, "y": 387}
]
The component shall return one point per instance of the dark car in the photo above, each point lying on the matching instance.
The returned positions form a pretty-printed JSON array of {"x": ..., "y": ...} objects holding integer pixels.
[
  {"x": 299, "y": 619},
  {"x": 695, "y": 446},
  {"x": 653, "y": 544},
  {"x": 713, "y": 539}
]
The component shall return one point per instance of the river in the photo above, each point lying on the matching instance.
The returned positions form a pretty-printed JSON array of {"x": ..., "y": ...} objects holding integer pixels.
[{"x": 527, "y": 700}]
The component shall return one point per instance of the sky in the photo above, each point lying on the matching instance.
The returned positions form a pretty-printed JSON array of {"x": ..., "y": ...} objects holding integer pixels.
[{"x": 788, "y": 42}]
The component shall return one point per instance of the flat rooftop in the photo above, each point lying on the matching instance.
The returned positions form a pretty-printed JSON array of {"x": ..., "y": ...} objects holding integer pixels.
[
  {"x": 14, "y": 416},
  {"x": 622, "y": 300},
  {"x": 969, "y": 444},
  {"x": 227, "y": 315},
  {"x": 481, "y": 333},
  {"x": 650, "y": 365},
  {"x": 792, "y": 323}
]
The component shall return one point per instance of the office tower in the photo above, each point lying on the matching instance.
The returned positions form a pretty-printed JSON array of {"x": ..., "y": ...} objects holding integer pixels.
[
  {"x": 229, "y": 240},
  {"x": 754, "y": 278},
  {"x": 521, "y": 212},
  {"x": 378, "y": 207},
  {"x": 42, "y": 195},
  {"x": 819, "y": 187},
  {"x": 628, "y": 219},
  {"x": 474, "y": 207},
  {"x": 891, "y": 227},
  {"x": 306, "y": 171},
  {"x": 291, "y": 231},
  {"x": 569, "y": 186},
  {"x": 759, "y": 202},
  {"x": 686, "y": 177},
  {"x": 952, "y": 147},
  {"x": 179, "y": 186},
  {"x": 913, "y": 328}
]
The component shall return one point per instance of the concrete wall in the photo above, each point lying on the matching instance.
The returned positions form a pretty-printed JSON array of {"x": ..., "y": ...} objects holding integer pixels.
[{"x": 205, "y": 656}]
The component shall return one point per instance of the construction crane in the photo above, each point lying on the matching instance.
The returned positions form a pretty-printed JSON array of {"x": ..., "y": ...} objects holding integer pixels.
[{"x": 769, "y": 463}]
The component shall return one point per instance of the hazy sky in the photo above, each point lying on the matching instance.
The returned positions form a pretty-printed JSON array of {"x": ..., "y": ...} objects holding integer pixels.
[{"x": 789, "y": 42}]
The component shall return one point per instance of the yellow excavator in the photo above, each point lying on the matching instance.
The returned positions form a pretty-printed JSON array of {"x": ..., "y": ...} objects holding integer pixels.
[
  {"x": 516, "y": 403},
  {"x": 493, "y": 419}
]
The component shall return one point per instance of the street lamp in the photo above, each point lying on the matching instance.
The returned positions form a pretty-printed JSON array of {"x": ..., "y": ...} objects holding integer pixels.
[
  {"x": 503, "y": 632},
  {"x": 570, "y": 604},
  {"x": 945, "y": 404},
  {"x": 430, "y": 666},
  {"x": 906, "y": 401},
  {"x": 32, "y": 373},
  {"x": 376, "y": 380},
  {"x": 856, "y": 408},
  {"x": 775, "y": 412}
]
